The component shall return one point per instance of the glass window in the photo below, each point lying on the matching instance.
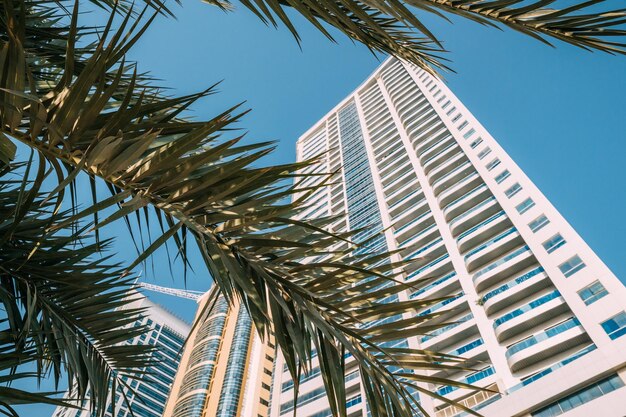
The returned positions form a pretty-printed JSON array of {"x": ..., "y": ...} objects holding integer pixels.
[
  {"x": 457, "y": 117},
  {"x": 580, "y": 397},
  {"x": 538, "y": 223},
  {"x": 572, "y": 265},
  {"x": 484, "y": 153},
  {"x": 615, "y": 326},
  {"x": 476, "y": 142},
  {"x": 491, "y": 165},
  {"x": 514, "y": 189},
  {"x": 451, "y": 111},
  {"x": 442, "y": 98},
  {"x": 462, "y": 125},
  {"x": 554, "y": 243},
  {"x": 525, "y": 205},
  {"x": 502, "y": 176},
  {"x": 446, "y": 104},
  {"x": 469, "y": 133},
  {"x": 592, "y": 293}
]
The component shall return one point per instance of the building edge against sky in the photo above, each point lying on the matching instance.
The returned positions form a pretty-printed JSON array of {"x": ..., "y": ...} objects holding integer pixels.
[
  {"x": 533, "y": 302},
  {"x": 225, "y": 369},
  {"x": 167, "y": 332}
]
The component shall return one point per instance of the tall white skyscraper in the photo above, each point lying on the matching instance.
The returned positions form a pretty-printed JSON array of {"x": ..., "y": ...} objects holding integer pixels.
[
  {"x": 167, "y": 333},
  {"x": 533, "y": 307}
]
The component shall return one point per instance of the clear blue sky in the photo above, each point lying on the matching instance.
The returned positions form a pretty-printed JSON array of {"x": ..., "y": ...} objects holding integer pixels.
[{"x": 559, "y": 113}]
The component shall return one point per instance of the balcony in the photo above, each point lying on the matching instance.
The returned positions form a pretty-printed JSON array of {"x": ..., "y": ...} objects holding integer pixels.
[
  {"x": 452, "y": 177},
  {"x": 461, "y": 328},
  {"x": 465, "y": 202},
  {"x": 399, "y": 192},
  {"x": 545, "y": 344},
  {"x": 405, "y": 203},
  {"x": 483, "y": 377},
  {"x": 442, "y": 158},
  {"x": 436, "y": 147},
  {"x": 393, "y": 184},
  {"x": 483, "y": 231},
  {"x": 423, "y": 256},
  {"x": 459, "y": 189},
  {"x": 492, "y": 249},
  {"x": 447, "y": 166},
  {"x": 504, "y": 267},
  {"x": 423, "y": 250},
  {"x": 447, "y": 284},
  {"x": 474, "y": 215},
  {"x": 423, "y": 234},
  {"x": 431, "y": 142},
  {"x": 435, "y": 268},
  {"x": 515, "y": 290},
  {"x": 410, "y": 229},
  {"x": 528, "y": 316}
]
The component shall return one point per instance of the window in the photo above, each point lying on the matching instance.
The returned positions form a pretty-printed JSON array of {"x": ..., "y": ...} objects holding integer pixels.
[
  {"x": 469, "y": 133},
  {"x": 269, "y": 358},
  {"x": 514, "y": 189},
  {"x": 572, "y": 265},
  {"x": 525, "y": 205},
  {"x": 484, "y": 153},
  {"x": 502, "y": 176},
  {"x": 592, "y": 292},
  {"x": 615, "y": 326},
  {"x": 580, "y": 397},
  {"x": 476, "y": 143},
  {"x": 491, "y": 165},
  {"x": 462, "y": 126},
  {"x": 432, "y": 88},
  {"x": 446, "y": 104},
  {"x": 538, "y": 223},
  {"x": 442, "y": 98},
  {"x": 457, "y": 117},
  {"x": 265, "y": 386},
  {"x": 264, "y": 402},
  {"x": 267, "y": 372},
  {"x": 437, "y": 93},
  {"x": 450, "y": 111},
  {"x": 554, "y": 243}
]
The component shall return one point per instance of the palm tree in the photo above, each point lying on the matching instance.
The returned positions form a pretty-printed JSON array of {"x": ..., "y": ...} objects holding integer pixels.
[{"x": 69, "y": 95}]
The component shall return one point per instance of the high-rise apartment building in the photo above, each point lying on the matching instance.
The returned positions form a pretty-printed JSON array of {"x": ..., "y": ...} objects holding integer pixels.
[
  {"x": 226, "y": 370},
  {"x": 167, "y": 333},
  {"x": 530, "y": 301}
]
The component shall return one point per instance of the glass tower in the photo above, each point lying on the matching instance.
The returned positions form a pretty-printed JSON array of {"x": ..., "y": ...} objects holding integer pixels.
[
  {"x": 225, "y": 370},
  {"x": 529, "y": 300},
  {"x": 167, "y": 333}
]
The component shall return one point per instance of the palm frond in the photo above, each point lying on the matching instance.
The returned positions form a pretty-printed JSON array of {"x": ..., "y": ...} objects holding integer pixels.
[
  {"x": 61, "y": 300},
  {"x": 93, "y": 115}
]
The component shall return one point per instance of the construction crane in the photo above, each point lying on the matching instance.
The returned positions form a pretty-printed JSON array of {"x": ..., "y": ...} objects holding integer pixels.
[{"x": 189, "y": 294}]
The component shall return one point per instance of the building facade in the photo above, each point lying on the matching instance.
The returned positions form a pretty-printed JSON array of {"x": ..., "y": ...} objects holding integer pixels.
[
  {"x": 226, "y": 370},
  {"x": 167, "y": 333},
  {"x": 530, "y": 301}
]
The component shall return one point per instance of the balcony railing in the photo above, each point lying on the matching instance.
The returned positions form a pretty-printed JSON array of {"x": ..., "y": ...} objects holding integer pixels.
[
  {"x": 432, "y": 285},
  {"x": 424, "y": 248},
  {"x": 511, "y": 284},
  {"x": 499, "y": 262},
  {"x": 412, "y": 222},
  {"x": 427, "y": 266},
  {"x": 528, "y": 307},
  {"x": 441, "y": 331},
  {"x": 544, "y": 335},
  {"x": 440, "y": 304},
  {"x": 481, "y": 224},
  {"x": 452, "y": 203},
  {"x": 471, "y": 379},
  {"x": 490, "y": 242},
  {"x": 470, "y": 211}
]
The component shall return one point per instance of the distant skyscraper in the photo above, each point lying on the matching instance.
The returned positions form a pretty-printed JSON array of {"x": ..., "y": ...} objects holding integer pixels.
[
  {"x": 225, "y": 371},
  {"x": 168, "y": 334},
  {"x": 530, "y": 300}
]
